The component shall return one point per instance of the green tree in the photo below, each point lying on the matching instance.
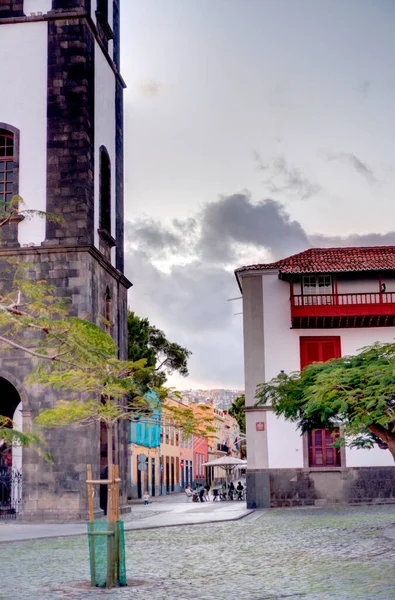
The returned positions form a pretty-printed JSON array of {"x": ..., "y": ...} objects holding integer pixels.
[
  {"x": 147, "y": 342},
  {"x": 79, "y": 360},
  {"x": 354, "y": 393},
  {"x": 237, "y": 410}
]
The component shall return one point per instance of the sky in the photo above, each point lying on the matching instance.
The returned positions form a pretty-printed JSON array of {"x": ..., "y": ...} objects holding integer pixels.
[{"x": 253, "y": 129}]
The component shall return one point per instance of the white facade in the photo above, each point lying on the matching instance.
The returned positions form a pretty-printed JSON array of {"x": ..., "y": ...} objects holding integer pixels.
[
  {"x": 272, "y": 346},
  {"x": 23, "y": 69},
  {"x": 104, "y": 133}
]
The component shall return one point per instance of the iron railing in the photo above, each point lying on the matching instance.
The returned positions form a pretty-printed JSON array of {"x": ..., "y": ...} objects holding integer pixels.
[
  {"x": 10, "y": 492},
  {"x": 352, "y": 299}
]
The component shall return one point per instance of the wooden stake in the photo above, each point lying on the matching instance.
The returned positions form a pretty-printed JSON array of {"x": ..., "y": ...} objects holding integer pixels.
[
  {"x": 91, "y": 526},
  {"x": 116, "y": 524},
  {"x": 90, "y": 492},
  {"x": 117, "y": 494}
]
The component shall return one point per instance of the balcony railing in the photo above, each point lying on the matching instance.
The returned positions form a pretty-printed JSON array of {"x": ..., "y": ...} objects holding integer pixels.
[{"x": 362, "y": 309}]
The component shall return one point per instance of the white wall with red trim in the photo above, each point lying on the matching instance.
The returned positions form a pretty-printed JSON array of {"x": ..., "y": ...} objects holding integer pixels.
[{"x": 282, "y": 352}]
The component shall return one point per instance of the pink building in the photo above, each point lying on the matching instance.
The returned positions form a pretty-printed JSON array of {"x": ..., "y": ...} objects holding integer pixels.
[{"x": 200, "y": 456}]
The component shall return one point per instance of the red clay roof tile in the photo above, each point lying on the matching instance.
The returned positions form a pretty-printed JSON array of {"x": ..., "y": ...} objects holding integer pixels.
[{"x": 332, "y": 260}]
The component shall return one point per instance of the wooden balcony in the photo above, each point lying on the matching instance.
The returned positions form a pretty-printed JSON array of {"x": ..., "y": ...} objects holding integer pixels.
[{"x": 327, "y": 311}]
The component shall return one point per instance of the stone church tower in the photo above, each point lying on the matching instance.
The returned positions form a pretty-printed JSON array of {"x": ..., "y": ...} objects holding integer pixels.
[{"x": 61, "y": 149}]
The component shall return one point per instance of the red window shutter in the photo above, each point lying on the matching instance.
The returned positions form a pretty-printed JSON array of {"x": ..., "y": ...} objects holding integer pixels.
[{"x": 318, "y": 349}]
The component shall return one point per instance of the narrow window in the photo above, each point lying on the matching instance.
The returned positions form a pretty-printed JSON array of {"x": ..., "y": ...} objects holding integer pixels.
[
  {"x": 102, "y": 8},
  {"x": 107, "y": 308},
  {"x": 105, "y": 191},
  {"x": 6, "y": 167},
  {"x": 321, "y": 450}
]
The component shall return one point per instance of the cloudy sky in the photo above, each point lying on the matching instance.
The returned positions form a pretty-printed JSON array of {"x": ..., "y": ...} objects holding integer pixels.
[{"x": 254, "y": 129}]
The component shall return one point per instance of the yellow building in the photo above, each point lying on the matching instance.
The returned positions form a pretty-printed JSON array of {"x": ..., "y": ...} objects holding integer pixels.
[{"x": 170, "y": 450}]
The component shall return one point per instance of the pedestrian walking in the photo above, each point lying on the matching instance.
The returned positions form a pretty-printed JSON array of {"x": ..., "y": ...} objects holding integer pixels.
[
  {"x": 240, "y": 490},
  {"x": 146, "y": 497},
  {"x": 188, "y": 493},
  {"x": 231, "y": 490},
  {"x": 201, "y": 493},
  {"x": 207, "y": 492}
]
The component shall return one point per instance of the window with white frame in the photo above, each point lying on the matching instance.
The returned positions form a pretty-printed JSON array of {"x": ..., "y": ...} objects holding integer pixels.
[{"x": 317, "y": 285}]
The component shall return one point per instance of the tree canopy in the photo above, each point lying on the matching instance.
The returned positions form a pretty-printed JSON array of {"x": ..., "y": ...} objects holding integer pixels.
[
  {"x": 145, "y": 341},
  {"x": 237, "y": 411},
  {"x": 75, "y": 356},
  {"x": 354, "y": 393}
]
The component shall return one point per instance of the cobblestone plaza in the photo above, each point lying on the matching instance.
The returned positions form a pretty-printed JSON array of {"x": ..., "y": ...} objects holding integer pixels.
[{"x": 306, "y": 554}]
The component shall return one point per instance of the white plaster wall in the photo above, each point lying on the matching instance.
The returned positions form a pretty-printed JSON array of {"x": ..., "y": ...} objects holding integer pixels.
[
  {"x": 257, "y": 449},
  {"x": 36, "y": 6},
  {"x": 281, "y": 352},
  {"x": 93, "y": 10},
  {"x": 355, "y": 286},
  {"x": 285, "y": 444},
  {"x": 369, "y": 458},
  {"x": 104, "y": 131},
  {"x": 23, "y": 104}
]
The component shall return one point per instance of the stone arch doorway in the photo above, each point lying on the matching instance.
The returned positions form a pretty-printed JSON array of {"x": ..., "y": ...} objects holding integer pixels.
[
  {"x": 10, "y": 402},
  {"x": 10, "y": 457}
]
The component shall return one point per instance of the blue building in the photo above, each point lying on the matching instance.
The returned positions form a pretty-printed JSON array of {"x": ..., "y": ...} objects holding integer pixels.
[{"x": 144, "y": 446}]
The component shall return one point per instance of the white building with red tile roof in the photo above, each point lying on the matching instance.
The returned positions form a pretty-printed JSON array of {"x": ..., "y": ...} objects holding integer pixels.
[{"x": 319, "y": 304}]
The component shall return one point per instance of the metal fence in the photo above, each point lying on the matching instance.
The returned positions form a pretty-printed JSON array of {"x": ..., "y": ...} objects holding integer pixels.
[{"x": 10, "y": 492}]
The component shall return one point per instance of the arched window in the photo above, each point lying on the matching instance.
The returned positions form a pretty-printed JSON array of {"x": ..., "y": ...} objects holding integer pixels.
[
  {"x": 6, "y": 166},
  {"x": 102, "y": 8},
  {"x": 105, "y": 191}
]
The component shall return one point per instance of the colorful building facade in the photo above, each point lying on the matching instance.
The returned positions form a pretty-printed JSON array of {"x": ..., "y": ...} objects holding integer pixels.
[{"x": 144, "y": 453}]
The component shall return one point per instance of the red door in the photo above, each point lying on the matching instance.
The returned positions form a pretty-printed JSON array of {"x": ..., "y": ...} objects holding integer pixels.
[{"x": 321, "y": 349}]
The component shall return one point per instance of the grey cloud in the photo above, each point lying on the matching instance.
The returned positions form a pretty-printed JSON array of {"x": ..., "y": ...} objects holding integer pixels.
[
  {"x": 190, "y": 301},
  {"x": 186, "y": 227},
  {"x": 190, "y": 304},
  {"x": 283, "y": 178},
  {"x": 236, "y": 219},
  {"x": 356, "y": 163},
  {"x": 368, "y": 239},
  {"x": 152, "y": 237}
]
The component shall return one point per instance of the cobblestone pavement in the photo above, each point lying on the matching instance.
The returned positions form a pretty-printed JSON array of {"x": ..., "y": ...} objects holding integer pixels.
[{"x": 298, "y": 554}]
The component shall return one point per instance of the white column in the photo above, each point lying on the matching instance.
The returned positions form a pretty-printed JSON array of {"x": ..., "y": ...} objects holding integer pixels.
[{"x": 254, "y": 370}]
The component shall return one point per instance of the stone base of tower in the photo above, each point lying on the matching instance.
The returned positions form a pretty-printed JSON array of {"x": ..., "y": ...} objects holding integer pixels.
[
  {"x": 258, "y": 489},
  {"x": 57, "y": 490}
]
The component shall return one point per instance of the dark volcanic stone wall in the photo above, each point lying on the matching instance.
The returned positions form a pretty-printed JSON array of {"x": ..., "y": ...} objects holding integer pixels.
[
  {"x": 70, "y": 131},
  {"x": 58, "y": 490},
  {"x": 305, "y": 487},
  {"x": 11, "y": 8}
]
